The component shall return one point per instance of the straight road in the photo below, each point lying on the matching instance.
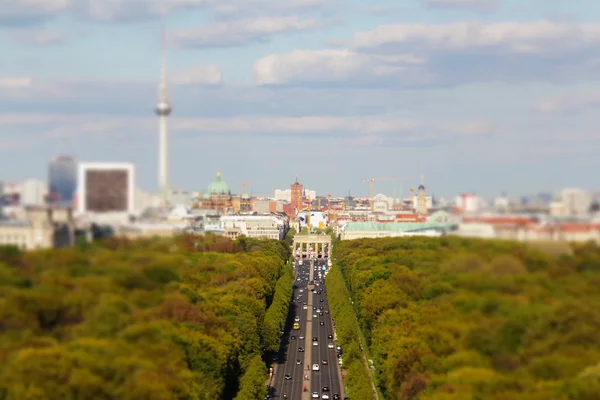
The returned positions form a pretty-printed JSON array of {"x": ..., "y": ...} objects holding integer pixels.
[
  {"x": 328, "y": 376},
  {"x": 292, "y": 346},
  {"x": 298, "y": 363}
]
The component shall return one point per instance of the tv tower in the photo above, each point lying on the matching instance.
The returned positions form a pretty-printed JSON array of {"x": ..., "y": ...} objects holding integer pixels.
[{"x": 163, "y": 110}]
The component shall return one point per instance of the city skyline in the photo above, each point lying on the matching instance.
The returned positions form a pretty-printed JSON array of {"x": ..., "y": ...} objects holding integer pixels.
[{"x": 333, "y": 91}]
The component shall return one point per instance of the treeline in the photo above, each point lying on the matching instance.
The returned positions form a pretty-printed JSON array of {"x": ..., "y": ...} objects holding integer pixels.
[
  {"x": 357, "y": 380},
  {"x": 178, "y": 318},
  {"x": 459, "y": 319}
]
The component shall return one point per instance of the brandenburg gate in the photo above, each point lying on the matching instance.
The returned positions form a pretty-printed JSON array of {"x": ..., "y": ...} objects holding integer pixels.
[{"x": 320, "y": 244}]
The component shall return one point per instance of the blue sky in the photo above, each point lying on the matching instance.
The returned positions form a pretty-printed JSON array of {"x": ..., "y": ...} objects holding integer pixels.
[{"x": 484, "y": 96}]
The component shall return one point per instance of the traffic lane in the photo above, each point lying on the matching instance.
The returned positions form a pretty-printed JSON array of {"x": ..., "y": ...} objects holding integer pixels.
[
  {"x": 290, "y": 386},
  {"x": 316, "y": 376},
  {"x": 284, "y": 351},
  {"x": 286, "y": 354},
  {"x": 331, "y": 354},
  {"x": 328, "y": 375},
  {"x": 323, "y": 353}
]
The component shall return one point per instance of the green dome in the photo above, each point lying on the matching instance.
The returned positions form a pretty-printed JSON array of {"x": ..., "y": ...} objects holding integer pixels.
[{"x": 218, "y": 187}]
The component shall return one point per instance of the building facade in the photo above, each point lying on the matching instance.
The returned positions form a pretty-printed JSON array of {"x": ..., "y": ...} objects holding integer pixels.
[
  {"x": 62, "y": 180},
  {"x": 106, "y": 188}
]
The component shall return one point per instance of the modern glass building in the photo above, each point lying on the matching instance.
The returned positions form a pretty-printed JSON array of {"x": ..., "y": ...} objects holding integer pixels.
[{"x": 62, "y": 180}]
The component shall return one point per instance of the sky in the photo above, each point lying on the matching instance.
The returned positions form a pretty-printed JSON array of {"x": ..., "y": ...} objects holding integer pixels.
[{"x": 479, "y": 96}]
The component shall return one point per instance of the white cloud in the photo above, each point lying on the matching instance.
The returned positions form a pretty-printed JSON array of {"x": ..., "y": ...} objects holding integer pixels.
[
  {"x": 111, "y": 10},
  {"x": 245, "y": 8},
  {"x": 202, "y": 75},
  {"x": 41, "y": 38},
  {"x": 477, "y": 5},
  {"x": 570, "y": 102},
  {"x": 513, "y": 37},
  {"x": 241, "y": 32},
  {"x": 320, "y": 66},
  {"x": 16, "y": 82},
  {"x": 24, "y": 11},
  {"x": 365, "y": 130}
]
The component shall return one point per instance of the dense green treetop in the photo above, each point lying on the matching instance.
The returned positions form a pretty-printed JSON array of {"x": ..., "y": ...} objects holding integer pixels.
[
  {"x": 451, "y": 318},
  {"x": 156, "y": 319}
]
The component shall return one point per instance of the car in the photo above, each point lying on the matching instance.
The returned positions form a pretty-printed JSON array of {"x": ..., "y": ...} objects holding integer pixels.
[
  {"x": 326, "y": 311},
  {"x": 336, "y": 396},
  {"x": 325, "y": 389},
  {"x": 297, "y": 319},
  {"x": 301, "y": 349},
  {"x": 315, "y": 338},
  {"x": 305, "y": 307},
  {"x": 325, "y": 396},
  {"x": 321, "y": 300},
  {"x": 314, "y": 315},
  {"x": 293, "y": 337},
  {"x": 321, "y": 323},
  {"x": 329, "y": 336},
  {"x": 314, "y": 307},
  {"x": 320, "y": 307},
  {"x": 316, "y": 367},
  {"x": 301, "y": 290},
  {"x": 298, "y": 362},
  {"x": 314, "y": 395},
  {"x": 324, "y": 362},
  {"x": 315, "y": 343},
  {"x": 302, "y": 338},
  {"x": 330, "y": 346},
  {"x": 288, "y": 376}
]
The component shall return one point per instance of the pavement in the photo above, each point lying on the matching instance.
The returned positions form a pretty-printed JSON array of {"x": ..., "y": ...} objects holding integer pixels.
[{"x": 328, "y": 375}]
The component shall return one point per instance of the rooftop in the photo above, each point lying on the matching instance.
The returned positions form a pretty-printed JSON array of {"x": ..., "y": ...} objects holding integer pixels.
[{"x": 395, "y": 226}]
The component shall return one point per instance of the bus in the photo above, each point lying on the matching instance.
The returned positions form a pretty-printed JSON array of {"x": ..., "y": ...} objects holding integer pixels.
[{"x": 296, "y": 325}]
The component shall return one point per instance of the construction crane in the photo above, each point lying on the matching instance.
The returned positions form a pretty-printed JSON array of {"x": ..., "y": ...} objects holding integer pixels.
[
  {"x": 244, "y": 184},
  {"x": 372, "y": 186},
  {"x": 328, "y": 208}
]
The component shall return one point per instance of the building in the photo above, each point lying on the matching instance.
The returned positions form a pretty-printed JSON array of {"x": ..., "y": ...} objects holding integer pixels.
[
  {"x": 296, "y": 190},
  {"x": 255, "y": 226},
  {"x": 106, "y": 188},
  {"x": 62, "y": 180},
  {"x": 360, "y": 230},
  {"x": 572, "y": 203},
  {"x": 38, "y": 228},
  {"x": 33, "y": 193},
  {"x": 218, "y": 197}
]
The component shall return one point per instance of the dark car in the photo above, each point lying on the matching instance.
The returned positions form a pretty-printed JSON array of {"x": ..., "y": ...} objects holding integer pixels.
[
  {"x": 288, "y": 376},
  {"x": 293, "y": 337},
  {"x": 325, "y": 389},
  {"x": 325, "y": 362},
  {"x": 301, "y": 349},
  {"x": 329, "y": 336},
  {"x": 298, "y": 362},
  {"x": 336, "y": 396},
  {"x": 321, "y": 300},
  {"x": 321, "y": 323}
]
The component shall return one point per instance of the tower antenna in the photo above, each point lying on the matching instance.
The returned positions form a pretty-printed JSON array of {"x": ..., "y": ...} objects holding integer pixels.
[{"x": 163, "y": 110}]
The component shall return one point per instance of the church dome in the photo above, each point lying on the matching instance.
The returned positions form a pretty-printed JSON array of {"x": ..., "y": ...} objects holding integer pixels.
[{"x": 218, "y": 187}]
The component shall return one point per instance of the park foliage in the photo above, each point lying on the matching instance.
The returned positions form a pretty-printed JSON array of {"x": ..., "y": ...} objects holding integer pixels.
[
  {"x": 464, "y": 319},
  {"x": 155, "y": 319}
]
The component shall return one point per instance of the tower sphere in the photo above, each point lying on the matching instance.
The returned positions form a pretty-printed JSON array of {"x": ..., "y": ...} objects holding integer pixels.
[{"x": 163, "y": 109}]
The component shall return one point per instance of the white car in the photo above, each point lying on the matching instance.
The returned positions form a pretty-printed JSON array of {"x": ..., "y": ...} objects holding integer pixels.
[
  {"x": 316, "y": 367},
  {"x": 297, "y": 319},
  {"x": 325, "y": 396},
  {"x": 315, "y": 395},
  {"x": 315, "y": 343},
  {"x": 330, "y": 346},
  {"x": 305, "y": 307}
]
